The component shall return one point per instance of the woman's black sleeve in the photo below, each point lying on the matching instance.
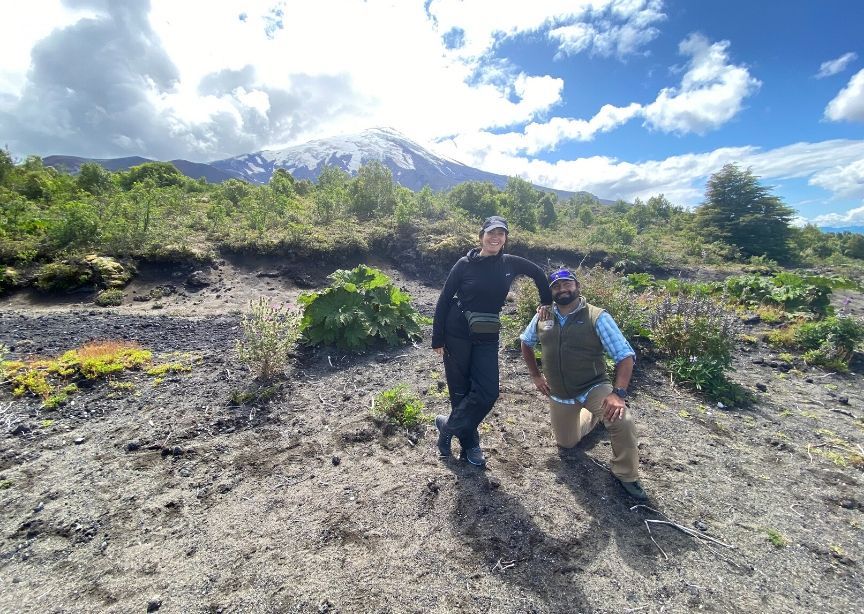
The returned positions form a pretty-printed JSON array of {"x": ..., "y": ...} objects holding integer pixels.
[
  {"x": 444, "y": 302},
  {"x": 521, "y": 266}
]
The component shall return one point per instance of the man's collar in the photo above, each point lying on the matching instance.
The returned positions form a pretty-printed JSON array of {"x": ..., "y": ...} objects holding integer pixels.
[{"x": 579, "y": 307}]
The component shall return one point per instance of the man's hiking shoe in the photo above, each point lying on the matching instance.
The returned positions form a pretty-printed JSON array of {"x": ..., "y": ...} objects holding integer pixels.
[
  {"x": 635, "y": 490},
  {"x": 474, "y": 456},
  {"x": 443, "y": 437}
]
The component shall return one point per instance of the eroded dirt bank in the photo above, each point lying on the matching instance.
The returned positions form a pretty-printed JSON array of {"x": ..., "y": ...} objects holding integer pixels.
[{"x": 171, "y": 495}]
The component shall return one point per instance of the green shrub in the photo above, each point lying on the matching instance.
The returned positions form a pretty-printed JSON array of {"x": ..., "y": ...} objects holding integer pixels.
[
  {"x": 697, "y": 336},
  {"x": 360, "y": 307},
  {"x": 269, "y": 334},
  {"x": 399, "y": 406},
  {"x": 686, "y": 326},
  {"x": 771, "y": 314},
  {"x": 605, "y": 289},
  {"x": 639, "y": 282},
  {"x": 527, "y": 299},
  {"x": 690, "y": 288},
  {"x": 110, "y": 298},
  {"x": 57, "y": 276},
  {"x": 705, "y": 374},
  {"x": 831, "y": 342},
  {"x": 790, "y": 291}
]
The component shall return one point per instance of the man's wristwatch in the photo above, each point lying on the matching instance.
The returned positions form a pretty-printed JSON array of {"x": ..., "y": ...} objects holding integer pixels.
[{"x": 621, "y": 392}]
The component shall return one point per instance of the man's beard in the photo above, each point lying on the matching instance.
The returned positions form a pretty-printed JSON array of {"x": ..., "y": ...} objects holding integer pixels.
[{"x": 565, "y": 298}]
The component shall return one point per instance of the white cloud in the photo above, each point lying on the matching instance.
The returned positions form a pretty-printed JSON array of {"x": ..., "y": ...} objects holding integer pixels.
[
  {"x": 711, "y": 92},
  {"x": 837, "y": 65},
  {"x": 22, "y": 25},
  {"x": 833, "y": 165},
  {"x": 320, "y": 68},
  {"x": 623, "y": 29},
  {"x": 605, "y": 27},
  {"x": 543, "y": 136},
  {"x": 853, "y": 217},
  {"x": 356, "y": 70},
  {"x": 848, "y": 105},
  {"x": 845, "y": 181}
]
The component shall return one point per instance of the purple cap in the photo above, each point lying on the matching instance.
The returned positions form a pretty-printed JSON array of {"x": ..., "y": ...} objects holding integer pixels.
[{"x": 561, "y": 275}]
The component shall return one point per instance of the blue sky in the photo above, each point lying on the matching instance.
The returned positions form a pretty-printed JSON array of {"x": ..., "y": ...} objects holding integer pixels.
[{"x": 624, "y": 98}]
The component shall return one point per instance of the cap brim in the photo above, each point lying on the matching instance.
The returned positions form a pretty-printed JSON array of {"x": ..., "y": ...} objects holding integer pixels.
[{"x": 494, "y": 226}]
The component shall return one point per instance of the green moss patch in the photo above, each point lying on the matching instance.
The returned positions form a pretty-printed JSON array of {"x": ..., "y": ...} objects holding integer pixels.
[{"x": 54, "y": 379}]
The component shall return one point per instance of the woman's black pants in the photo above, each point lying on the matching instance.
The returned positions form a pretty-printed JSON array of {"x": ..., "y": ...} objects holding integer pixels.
[{"x": 471, "y": 369}]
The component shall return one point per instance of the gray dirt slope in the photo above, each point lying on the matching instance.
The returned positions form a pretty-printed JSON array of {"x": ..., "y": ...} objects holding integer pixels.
[{"x": 167, "y": 494}]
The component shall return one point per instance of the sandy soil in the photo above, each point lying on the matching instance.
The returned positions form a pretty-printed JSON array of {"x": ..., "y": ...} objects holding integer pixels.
[{"x": 169, "y": 496}]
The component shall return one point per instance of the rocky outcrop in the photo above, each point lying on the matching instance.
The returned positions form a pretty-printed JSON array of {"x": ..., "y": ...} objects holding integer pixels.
[{"x": 108, "y": 272}]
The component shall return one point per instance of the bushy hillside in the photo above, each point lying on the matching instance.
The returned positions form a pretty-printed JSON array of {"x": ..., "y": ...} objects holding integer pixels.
[{"x": 153, "y": 212}]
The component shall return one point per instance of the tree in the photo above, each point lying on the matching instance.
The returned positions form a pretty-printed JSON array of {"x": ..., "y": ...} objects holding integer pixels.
[
  {"x": 548, "y": 215},
  {"x": 262, "y": 210},
  {"x": 585, "y": 216},
  {"x": 427, "y": 201},
  {"x": 476, "y": 197},
  {"x": 620, "y": 206},
  {"x": 407, "y": 206},
  {"x": 73, "y": 224},
  {"x": 853, "y": 244},
  {"x": 812, "y": 240},
  {"x": 303, "y": 187},
  {"x": 93, "y": 178},
  {"x": 235, "y": 190},
  {"x": 661, "y": 208},
  {"x": 739, "y": 211},
  {"x": 35, "y": 185},
  {"x": 522, "y": 199},
  {"x": 282, "y": 183},
  {"x": 162, "y": 174},
  {"x": 6, "y": 165},
  {"x": 372, "y": 191},
  {"x": 640, "y": 215},
  {"x": 331, "y": 194}
]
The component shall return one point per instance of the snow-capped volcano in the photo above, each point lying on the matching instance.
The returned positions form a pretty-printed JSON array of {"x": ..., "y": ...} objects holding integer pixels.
[{"x": 412, "y": 165}]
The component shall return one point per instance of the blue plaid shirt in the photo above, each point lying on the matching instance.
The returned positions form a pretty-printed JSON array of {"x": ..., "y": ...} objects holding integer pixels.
[{"x": 610, "y": 336}]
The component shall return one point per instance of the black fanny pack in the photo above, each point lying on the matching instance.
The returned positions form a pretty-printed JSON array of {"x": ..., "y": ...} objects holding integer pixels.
[{"x": 481, "y": 323}]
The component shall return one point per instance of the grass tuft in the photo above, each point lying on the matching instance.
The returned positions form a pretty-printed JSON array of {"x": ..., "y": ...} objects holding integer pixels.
[
  {"x": 776, "y": 538},
  {"x": 399, "y": 406}
]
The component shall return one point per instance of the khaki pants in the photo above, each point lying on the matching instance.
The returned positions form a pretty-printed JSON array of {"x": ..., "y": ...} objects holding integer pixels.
[{"x": 571, "y": 423}]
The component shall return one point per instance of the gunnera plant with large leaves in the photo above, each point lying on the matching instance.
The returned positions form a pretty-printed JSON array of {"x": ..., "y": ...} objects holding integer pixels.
[{"x": 361, "y": 307}]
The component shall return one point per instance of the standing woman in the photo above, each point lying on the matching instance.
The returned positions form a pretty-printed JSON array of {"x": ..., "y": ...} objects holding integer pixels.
[{"x": 465, "y": 332}]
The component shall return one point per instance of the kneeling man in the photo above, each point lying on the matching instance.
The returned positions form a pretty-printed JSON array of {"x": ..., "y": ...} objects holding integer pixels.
[{"x": 574, "y": 336}]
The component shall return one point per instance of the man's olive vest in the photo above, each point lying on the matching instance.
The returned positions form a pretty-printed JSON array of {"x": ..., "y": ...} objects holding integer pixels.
[{"x": 573, "y": 355}]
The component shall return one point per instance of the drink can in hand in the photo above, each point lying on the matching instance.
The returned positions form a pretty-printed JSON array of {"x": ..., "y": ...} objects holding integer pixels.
[{"x": 545, "y": 320}]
